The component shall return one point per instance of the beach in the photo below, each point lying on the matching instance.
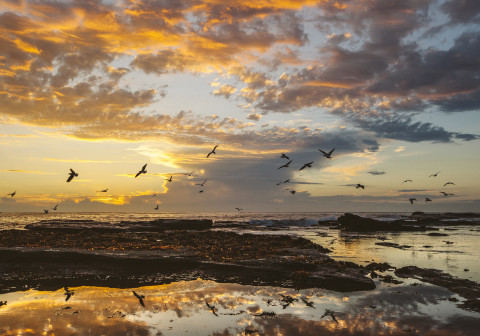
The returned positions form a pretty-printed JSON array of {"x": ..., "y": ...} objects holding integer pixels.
[{"x": 263, "y": 274}]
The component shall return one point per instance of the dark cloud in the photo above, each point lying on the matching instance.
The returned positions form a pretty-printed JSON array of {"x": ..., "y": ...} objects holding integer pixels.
[
  {"x": 463, "y": 11},
  {"x": 376, "y": 172}
]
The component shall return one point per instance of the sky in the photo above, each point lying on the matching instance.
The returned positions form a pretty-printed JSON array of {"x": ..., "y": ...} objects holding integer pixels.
[{"x": 104, "y": 87}]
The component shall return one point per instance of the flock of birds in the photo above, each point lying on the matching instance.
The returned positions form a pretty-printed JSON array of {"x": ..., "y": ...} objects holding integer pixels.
[{"x": 72, "y": 174}]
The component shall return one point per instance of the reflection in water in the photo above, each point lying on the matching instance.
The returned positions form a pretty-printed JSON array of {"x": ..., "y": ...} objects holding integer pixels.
[{"x": 180, "y": 308}]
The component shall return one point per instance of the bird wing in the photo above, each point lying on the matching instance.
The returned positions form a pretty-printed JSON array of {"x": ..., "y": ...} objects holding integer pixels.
[
  {"x": 72, "y": 171},
  {"x": 144, "y": 166},
  {"x": 303, "y": 167},
  {"x": 323, "y": 152},
  {"x": 70, "y": 177},
  {"x": 209, "y": 154},
  {"x": 137, "y": 174},
  {"x": 330, "y": 153}
]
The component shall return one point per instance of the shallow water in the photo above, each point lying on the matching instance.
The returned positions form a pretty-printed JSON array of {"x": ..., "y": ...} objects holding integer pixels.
[{"x": 180, "y": 309}]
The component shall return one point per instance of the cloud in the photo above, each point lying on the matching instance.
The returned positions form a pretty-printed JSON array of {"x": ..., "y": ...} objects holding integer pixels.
[
  {"x": 376, "y": 172},
  {"x": 26, "y": 171},
  {"x": 254, "y": 116},
  {"x": 225, "y": 90}
]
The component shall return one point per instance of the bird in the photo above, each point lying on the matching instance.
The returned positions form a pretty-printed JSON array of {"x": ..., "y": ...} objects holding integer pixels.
[
  {"x": 140, "y": 298},
  {"x": 71, "y": 175},
  {"x": 283, "y": 156},
  {"x": 201, "y": 191},
  {"x": 189, "y": 174},
  {"x": 411, "y": 200},
  {"x": 309, "y": 165},
  {"x": 291, "y": 191},
  {"x": 448, "y": 183},
  {"x": 3, "y": 303},
  {"x": 330, "y": 313},
  {"x": 307, "y": 303},
  {"x": 239, "y": 209},
  {"x": 213, "y": 151},
  {"x": 434, "y": 175},
  {"x": 12, "y": 194},
  {"x": 201, "y": 184},
  {"x": 155, "y": 194},
  {"x": 446, "y": 194},
  {"x": 212, "y": 308},
  {"x": 327, "y": 155},
  {"x": 68, "y": 293},
  {"x": 427, "y": 199},
  {"x": 169, "y": 179},
  {"x": 45, "y": 210},
  {"x": 142, "y": 171},
  {"x": 104, "y": 190},
  {"x": 55, "y": 207},
  {"x": 156, "y": 208},
  {"x": 407, "y": 181},
  {"x": 286, "y": 181},
  {"x": 285, "y": 165},
  {"x": 359, "y": 186}
]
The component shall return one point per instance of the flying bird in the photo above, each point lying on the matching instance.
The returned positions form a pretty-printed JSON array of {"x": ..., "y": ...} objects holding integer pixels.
[
  {"x": 446, "y": 194},
  {"x": 201, "y": 184},
  {"x": 239, "y": 209},
  {"x": 71, "y": 175},
  {"x": 411, "y": 200},
  {"x": 291, "y": 191},
  {"x": 327, "y": 155},
  {"x": 434, "y": 175},
  {"x": 307, "y": 303},
  {"x": 140, "y": 298},
  {"x": 68, "y": 293},
  {"x": 330, "y": 313},
  {"x": 12, "y": 194},
  {"x": 407, "y": 181},
  {"x": 156, "y": 208},
  {"x": 283, "y": 156},
  {"x": 189, "y": 174},
  {"x": 309, "y": 165},
  {"x": 448, "y": 183},
  {"x": 45, "y": 210},
  {"x": 359, "y": 186},
  {"x": 212, "y": 308},
  {"x": 169, "y": 179},
  {"x": 285, "y": 165},
  {"x": 104, "y": 190},
  {"x": 142, "y": 171},
  {"x": 213, "y": 151},
  {"x": 55, "y": 207},
  {"x": 3, "y": 303},
  {"x": 427, "y": 199},
  {"x": 200, "y": 191}
]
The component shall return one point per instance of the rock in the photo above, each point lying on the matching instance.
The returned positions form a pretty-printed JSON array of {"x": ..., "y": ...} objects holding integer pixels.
[{"x": 351, "y": 222}]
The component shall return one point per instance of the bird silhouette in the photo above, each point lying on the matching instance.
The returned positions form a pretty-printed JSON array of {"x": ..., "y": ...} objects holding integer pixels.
[
  {"x": 140, "y": 298},
  {"x": 427, "y": 199},
  {"x": 68, "y": 293},
  {"x": 407, "y": 181},
  {"x": 45, "y": 210},
  {"x": 55, "y": 207},
  {"x": 330, "y": 313},
  {"x": 307, "y": 303},
  {"x": 434, "y": 175},
  {"x": 359, "y": 186},
  {"x": 446, "y": 194},
  {"x": 283, "y": 156},
  {"x": 104, "y": 190},
  {"x": 201, "y": 184},
  {"x": 291, "y": 191},
  {"x": 309, "y": 165},
  {"x": 239, "y": 209},
  {"x": 189, "y": 174},
  {"x": 213, "y": 151},
  {"x": 285, "y": 165},
  {"x": 142, "y": 171},
  {"x": 12, "y": 194},
  {"x": 327, "y": 155},
  {"x": 286, "y": 181},
  {"x": 212, "y": 308},
  {"x": 156, "y": 208},
  {"x": 3, "y": 303},
  {"x": 169, "y": 179},
  {"x": 71, "y": 175},
  {"x": 448, "y": 183},
  {"x": 411, "y": 200},
  {"x": 200, "y": 191}
]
